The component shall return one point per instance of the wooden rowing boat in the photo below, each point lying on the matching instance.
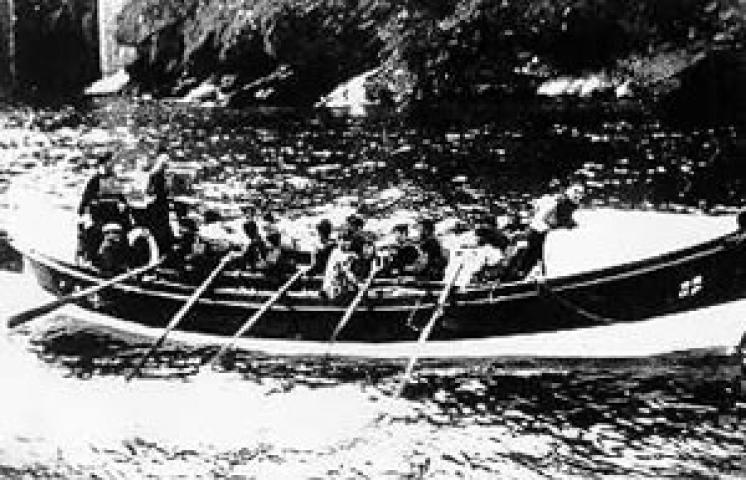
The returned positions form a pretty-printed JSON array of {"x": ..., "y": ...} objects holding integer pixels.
[{"x": 705, "y": 274}]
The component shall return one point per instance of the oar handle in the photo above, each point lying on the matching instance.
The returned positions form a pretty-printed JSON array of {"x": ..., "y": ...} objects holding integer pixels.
[
  {"x": 181, "y": 314},
  {"x": 258, "y": 314},
  {"x": 30, "y": 314},
  {"x": 353, "y": 305}
]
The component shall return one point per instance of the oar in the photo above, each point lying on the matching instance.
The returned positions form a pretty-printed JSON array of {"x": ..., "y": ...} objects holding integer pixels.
[
  {"x": 437, "y": 313},
  {"x": 258, "y": 314},
  {"x": 181, "y": 314},
  {"x": 30, "y": 314},
  {"x": 355, "y": 302}
]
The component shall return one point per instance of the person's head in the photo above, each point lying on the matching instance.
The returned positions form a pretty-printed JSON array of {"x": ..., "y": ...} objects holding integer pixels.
[
  {"x": 187, "y": 228},
  {"x": 324, "y": 228},
  {"x": 427, "y": 227},
  {"x": 492, "y": 237},
  {"x": 212, "y": 216},
  {"x": 161, "y": 162},
  {"x": 362, "y": 247},
  {"x": 356, "y": 246},
  {"x": 402, "y": 232},
  {"x": 273, "y": 236},
  {"x": 369, "y": 250},
  {"x": 355, "y": 223},
  {"x": 105, "y": 162},
  {"x": 113, "y": 232},
  {"x": 575, "y": 192},
  {"x": 181, "y": 209},
  {"x": 487, "y": 222},
  {"x": 250, "y": 229}
]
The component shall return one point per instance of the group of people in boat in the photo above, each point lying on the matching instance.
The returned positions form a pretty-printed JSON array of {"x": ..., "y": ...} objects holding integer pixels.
[{"x": 114, "y": 237}]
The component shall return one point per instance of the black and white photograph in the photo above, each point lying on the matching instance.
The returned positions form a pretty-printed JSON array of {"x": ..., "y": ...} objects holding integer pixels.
[{"x": 372, "y": 239}]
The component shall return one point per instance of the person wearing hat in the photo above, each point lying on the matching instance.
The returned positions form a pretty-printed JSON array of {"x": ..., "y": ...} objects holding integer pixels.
[
  {"x": 550, "y": 212},
  {"x": 113, "y": 255},
  {"x": 433, "y": 259}
]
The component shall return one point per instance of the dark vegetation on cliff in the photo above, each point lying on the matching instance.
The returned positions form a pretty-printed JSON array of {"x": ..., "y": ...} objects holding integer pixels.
[
  {"x": 278, "y": 52},
  {"x": 427, "y": 51},
  {"x": 291, "y": 52}
]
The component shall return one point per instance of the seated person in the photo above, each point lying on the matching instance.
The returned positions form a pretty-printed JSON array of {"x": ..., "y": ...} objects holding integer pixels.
[
  {"x": 403, "y": 254},
  {"x": 353, "y": 229},
  {"x": 278, "y": 263},
  {"x": 324, "y": 247},
  {"x": 347, "y": 269},
  {"x": 113, "y": 255},
  {"x": 486, "y": 261},
  {"x": 433, "y": 260},
  {"x": 364, "y": 255},
  {"x": 255, "y": 249},
  {"x": 491, "y": 245},
  {"x": 190, "y": 253}
]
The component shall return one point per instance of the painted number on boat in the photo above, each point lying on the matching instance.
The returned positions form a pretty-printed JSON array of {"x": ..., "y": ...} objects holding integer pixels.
[{"x": 691, "y": 287}]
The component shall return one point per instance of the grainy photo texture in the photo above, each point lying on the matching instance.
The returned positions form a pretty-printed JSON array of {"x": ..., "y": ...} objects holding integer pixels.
[{"x": 417, "y": 239}]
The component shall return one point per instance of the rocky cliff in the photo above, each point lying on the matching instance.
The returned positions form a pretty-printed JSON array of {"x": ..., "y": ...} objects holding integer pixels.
[
  {"x": 56, "y": 45},
  {"x": 426, "y": 51}
]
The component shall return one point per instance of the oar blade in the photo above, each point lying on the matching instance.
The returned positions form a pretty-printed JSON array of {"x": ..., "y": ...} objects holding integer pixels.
[{"x": 28, "y": 315}]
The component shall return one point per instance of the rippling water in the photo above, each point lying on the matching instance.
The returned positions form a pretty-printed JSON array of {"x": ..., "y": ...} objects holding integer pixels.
[{"x": 67, "y": 413}]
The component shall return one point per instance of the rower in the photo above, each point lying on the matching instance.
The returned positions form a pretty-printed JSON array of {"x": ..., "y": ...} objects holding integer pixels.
[
  {"x": 404, "y": 253},
  {"x": 323, "y": 249},
  {"x": 347, "y": 268},
  {"x": 190, "y": 253},
  {"x": 353, "y": 230},
  {"x": 433, "y": 260},
  {"x": 364, "y": 254},
  {"x": 277, "y": 263},
  {"x": 551, "y": 212},
  {"x": 255, "y": 249}
]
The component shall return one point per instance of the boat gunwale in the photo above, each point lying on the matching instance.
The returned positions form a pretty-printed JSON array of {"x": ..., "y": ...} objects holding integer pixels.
[{"x": 488, "y": 293}]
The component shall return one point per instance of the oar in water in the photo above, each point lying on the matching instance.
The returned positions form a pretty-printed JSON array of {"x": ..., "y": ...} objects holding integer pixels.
[
  {"x": 30, "y": 314},
  {"x": 258, "y": 314},
  {"x": 355, "y": 302},
  {"x": 437, "y": 313},
  {"x": 181, "y": 314}
]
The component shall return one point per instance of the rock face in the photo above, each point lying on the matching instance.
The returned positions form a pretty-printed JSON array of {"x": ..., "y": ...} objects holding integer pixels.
[
  {"x": 292, "y": 52},
  {"x": 711, "y": 90},
  {"x": 279, "y": 52},
  {"x": 56, "y": 45}
]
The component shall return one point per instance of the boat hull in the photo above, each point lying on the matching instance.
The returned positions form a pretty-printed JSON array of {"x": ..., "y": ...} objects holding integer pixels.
[{"x": 695, "y": 277}]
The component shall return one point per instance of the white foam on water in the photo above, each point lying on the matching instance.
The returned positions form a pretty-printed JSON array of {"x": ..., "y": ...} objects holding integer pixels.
[{"x": 45, "y": 414}]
